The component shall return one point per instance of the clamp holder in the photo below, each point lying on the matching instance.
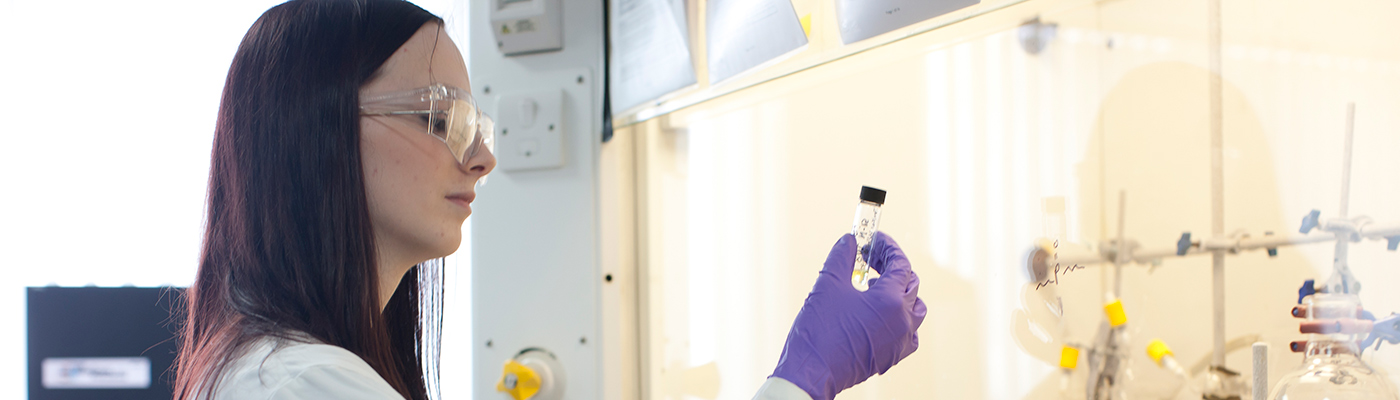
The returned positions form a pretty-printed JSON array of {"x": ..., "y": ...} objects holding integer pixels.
[
  {"x": 1308, "y": 289},
  {"x": 1310, "y": 221},
  {"x": 1273, "y": 251},
  {"x": 1183, "y": 244},
  {"x": 1386, "y": 329}
]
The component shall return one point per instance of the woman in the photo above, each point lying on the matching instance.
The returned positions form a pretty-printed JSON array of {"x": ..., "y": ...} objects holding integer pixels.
[{"x": 345, "y": 157}]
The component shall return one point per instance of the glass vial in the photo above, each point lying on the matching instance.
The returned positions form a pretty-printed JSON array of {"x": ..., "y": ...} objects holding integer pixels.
[{"x": 867, "y": 221}]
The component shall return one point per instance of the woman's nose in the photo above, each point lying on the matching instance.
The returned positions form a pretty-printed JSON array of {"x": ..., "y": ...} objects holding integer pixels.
[{"x": 480, "y": 164}]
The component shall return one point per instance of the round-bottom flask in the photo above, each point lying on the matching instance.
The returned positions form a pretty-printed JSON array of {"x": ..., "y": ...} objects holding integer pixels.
[
  {"x": 1333, "y": 371},
  {"x": 1332, "y": 368}
]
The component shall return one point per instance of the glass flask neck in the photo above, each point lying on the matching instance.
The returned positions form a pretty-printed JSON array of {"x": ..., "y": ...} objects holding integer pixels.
[
  {"x": 1331, "y": 346},
  {"x": 1332, "y": 306}
]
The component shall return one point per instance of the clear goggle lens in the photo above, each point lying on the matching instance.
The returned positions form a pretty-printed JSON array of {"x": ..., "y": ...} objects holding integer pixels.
[{"x": 463, "y": 127}]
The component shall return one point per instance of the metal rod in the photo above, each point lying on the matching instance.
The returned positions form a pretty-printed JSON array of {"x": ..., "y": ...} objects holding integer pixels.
[
  {"x": 1069, "y": 254},
  {"x": 1340, "y": 271},
  {"x": 1122, "y": 252},
  {"x": 1379, "y": 232},
  {"x": 1217, "y": 277},
  {"x": 1217, "y": 183},
  {"x": 1346, "y": 161}
]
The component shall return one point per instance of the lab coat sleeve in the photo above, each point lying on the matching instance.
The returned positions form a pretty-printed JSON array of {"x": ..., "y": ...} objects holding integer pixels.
[
  {"x": 332, "y": 381},
  {"x": 780, "y": 389}
]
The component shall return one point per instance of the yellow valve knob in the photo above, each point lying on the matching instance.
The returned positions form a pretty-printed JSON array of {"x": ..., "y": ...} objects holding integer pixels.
[
  {"x": 1116, "y": 316},
  {"x": 1156, "y": 349},
  {"x": 519, "y": 381},
  {"x": 1069, "y": 357}
]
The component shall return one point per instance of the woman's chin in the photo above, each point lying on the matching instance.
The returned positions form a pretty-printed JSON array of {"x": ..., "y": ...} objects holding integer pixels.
[{"x": 447, "y": 245}]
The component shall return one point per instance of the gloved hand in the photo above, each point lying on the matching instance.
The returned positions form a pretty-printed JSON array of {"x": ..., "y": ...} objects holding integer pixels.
[{"x": 842, "y": 335}]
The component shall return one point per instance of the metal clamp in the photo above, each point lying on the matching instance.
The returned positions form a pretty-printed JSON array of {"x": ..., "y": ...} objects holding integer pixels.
[
  {"x": 1310, "y": 221},
  {"x": 1387, "y": 329},
  {"x": 1184, "y": 244},
  {"x": 1308, "y": 289}
]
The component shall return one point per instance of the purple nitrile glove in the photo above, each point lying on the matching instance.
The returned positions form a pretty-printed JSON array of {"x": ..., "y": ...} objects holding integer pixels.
[{"x": 842, "y": 335}]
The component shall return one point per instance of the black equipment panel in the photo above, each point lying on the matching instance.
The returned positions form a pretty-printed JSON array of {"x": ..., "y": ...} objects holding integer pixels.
[{"x": 102, "y": 322}]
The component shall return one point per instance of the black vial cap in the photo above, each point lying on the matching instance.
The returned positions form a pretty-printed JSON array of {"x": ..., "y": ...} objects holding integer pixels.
[{"x": 872, "y": 195}]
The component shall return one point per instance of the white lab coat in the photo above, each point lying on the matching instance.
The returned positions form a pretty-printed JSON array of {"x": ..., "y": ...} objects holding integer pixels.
[
  {"x": 320, "y": 371},
  {"x": 301, "y": 371}
]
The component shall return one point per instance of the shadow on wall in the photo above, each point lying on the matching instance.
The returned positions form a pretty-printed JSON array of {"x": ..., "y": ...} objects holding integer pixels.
[{"x": 1152, "y": 140}]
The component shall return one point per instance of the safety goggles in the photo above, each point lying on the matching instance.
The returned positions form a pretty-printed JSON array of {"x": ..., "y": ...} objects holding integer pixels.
[{"x": 448, "y": 113}]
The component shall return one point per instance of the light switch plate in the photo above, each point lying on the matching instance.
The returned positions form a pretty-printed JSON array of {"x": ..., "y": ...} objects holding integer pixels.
[{"x": 530, "y": 130}]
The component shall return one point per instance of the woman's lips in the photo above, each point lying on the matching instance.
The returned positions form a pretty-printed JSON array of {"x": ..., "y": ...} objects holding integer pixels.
[
  {"x": 461, "y": 202},
  {"x": 462, "y": 199}
]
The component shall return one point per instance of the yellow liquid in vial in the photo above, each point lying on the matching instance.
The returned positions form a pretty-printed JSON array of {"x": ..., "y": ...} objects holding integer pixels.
[{"x": 863, "y": 228}]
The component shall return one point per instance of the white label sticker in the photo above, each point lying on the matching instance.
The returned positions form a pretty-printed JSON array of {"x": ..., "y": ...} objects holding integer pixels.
[{"x": 97, "y": 373}]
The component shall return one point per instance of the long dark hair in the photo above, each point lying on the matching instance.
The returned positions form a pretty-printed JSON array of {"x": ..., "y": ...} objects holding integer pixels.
[{"x": 288, "y": 247}]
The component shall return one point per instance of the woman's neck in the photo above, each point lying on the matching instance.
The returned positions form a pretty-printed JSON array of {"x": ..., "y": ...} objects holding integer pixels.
[{"x": 392, "y": 267}]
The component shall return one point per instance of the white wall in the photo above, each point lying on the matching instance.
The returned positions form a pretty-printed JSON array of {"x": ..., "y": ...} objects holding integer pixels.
[{"x": 108, "y": 112}]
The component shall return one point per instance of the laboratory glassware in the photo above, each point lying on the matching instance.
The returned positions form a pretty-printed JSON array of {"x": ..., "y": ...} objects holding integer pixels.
[
  {"x": 1113, "y": 372},
  {"x": 1158, "y": 351},
  {"x": 1109, "y": 360},
  {"x": 1332, "y": 367},
  {"x": 866, "y": 222}
]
